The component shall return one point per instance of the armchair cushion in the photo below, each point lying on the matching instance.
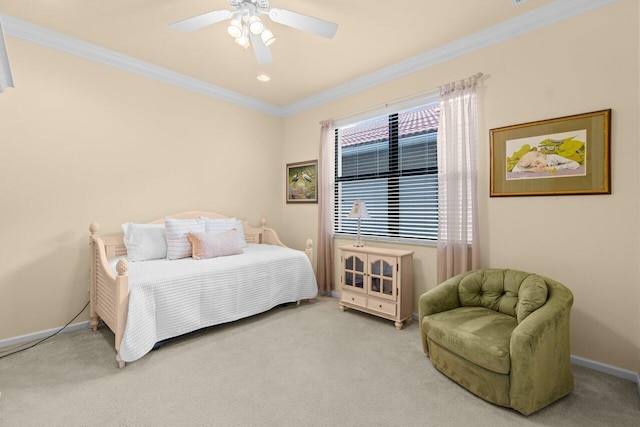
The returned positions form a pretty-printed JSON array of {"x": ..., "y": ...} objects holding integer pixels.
[{"x": 477, "y": 334}]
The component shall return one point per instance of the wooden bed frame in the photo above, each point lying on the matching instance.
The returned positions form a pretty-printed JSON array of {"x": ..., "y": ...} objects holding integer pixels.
[{"x": 109, "y": 293}]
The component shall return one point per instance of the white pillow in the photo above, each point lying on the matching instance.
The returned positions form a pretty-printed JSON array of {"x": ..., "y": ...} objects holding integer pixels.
[
  {"x": 220, "y": 225},
  {"x": 144, "y": 241},
  {"x": 178, "y": 245}
]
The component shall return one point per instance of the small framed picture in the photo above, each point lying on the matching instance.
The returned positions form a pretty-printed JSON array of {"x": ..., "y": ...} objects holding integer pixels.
[
  {"x": 565, "y": 155},
  {"x": 302, "y": 182}
]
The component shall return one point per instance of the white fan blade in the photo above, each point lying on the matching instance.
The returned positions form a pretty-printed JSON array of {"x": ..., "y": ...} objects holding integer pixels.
[
  {"x": 263, "y": 53},
  {"x": 303, "y": 22},
  {"x": 201, "y": 21}
]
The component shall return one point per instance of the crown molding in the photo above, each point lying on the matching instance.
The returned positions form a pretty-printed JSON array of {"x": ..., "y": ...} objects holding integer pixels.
[
  {"x": 35, "y": 34},
  {"x": 535, "y": 19},
  {"x": 525, "y": 23}
]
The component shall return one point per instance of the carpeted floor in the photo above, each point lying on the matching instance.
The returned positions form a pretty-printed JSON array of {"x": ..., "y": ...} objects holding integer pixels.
[{"x": 310, "y": 365}]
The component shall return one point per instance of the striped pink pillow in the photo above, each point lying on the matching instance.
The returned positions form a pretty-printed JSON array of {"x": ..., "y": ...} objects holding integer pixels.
[{"x": 211, "y": 245}]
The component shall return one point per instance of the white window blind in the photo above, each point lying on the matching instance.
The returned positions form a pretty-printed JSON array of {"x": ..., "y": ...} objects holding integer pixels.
[{"x": 391, "y": 163}]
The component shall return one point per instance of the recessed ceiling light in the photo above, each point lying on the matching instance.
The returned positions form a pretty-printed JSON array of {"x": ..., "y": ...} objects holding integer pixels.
[{"x": 263, "y": 77}]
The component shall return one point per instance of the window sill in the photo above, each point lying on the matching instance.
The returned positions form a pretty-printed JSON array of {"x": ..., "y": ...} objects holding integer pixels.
[{"x": 398, "y": 240}]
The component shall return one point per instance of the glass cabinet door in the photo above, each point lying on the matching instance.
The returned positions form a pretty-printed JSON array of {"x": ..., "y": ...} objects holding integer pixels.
[
  {"x": 382, "y": 277},
  {"x": 354, "y": 271}
]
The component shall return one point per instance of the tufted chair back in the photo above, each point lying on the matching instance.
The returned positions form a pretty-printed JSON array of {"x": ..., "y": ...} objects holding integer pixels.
[{"x": 511, "y": 292}]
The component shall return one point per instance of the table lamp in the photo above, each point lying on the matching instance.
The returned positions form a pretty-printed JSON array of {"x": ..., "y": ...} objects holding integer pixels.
[{"x": 359, "y": 211}]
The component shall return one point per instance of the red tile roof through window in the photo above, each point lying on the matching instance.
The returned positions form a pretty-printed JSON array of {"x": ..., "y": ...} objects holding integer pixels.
[{"x": 410, "y": 122}]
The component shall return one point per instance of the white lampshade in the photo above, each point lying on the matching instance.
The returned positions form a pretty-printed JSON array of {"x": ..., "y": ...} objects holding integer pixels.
[
  {"x": 235, "y": 28},
  {"x": 359, "y": 210},
  {"x": 243, "y": 41},
  {"x": 255, "y": 25},
  {"x": 267, "y": 37}
]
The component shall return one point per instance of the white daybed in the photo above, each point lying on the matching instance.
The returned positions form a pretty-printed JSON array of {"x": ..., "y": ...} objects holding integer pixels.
[{"x": 150, "y": 301}]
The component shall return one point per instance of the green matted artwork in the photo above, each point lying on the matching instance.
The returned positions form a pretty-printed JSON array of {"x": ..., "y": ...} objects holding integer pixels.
[
  {"x": 302, "y": 182},
  {"x": 565, "y": 155}
]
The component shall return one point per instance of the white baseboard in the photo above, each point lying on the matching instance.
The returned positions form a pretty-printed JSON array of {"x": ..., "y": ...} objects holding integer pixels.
[
  {"x": 42, "y": 334},
  {"x": 607, "y": 369}
]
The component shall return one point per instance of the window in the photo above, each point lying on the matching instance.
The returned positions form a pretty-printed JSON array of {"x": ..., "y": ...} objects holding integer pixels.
[{"x": 391, "y": 163}]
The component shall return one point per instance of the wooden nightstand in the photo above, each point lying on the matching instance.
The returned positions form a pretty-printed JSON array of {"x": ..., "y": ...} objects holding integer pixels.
[{"x": 377, "y": 281}]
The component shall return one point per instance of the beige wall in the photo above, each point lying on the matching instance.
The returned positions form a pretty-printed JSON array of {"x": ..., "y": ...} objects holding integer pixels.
[
  {"x": 83, "y": 142},
  {"x": 590, "y": 243}
]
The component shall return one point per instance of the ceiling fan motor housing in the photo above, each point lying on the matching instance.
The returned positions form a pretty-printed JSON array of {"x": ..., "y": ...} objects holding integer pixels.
[{"x": 263, "y": 4}]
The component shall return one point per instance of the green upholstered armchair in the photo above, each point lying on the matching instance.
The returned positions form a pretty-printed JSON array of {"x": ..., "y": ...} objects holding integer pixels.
[{"x": 501, "y": 334}]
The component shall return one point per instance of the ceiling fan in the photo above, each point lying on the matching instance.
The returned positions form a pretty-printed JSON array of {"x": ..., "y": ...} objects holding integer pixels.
[{"x": 247, "y": 28}]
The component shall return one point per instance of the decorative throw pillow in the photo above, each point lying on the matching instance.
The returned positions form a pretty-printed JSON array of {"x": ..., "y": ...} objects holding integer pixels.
[
  {"x": 178, "y": 245},
  {"x": 144, "y": 241},
  {"x": 218, "y": 225},
  {"x": 211, "y": 245}
]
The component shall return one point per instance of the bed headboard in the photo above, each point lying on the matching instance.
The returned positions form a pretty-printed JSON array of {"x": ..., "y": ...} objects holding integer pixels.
[{"x": 114, "y": 244}]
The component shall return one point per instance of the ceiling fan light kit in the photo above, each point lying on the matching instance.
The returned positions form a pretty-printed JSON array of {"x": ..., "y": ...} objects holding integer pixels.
[
  {"x": 248, "y": 21},
  {"x": 248, "y": 29}
]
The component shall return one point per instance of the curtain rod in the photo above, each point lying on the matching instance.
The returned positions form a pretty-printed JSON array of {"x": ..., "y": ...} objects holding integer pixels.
[{"x": 394, "y": 101}]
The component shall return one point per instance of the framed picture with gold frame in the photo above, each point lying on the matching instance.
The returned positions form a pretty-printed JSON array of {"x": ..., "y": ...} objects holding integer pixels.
[
  {"x": 565, "y": 155},
  {"x": 302, "y": 182}
]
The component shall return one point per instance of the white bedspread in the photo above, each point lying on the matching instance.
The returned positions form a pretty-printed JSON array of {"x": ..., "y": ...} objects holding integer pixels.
[{"x": 171, "y": 298}]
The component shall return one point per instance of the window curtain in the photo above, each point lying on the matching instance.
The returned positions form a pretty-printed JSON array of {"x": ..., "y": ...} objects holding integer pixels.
[
  {"x": 5, "y": 71},
  {"x": 458, "y": 247},
  {"x": 326, "y": 165}
]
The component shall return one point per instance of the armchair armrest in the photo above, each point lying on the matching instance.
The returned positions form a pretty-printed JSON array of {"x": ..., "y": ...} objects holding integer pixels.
[
  {"x": 441, "y": 298},
  {"x": 540, "y": 353}
]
